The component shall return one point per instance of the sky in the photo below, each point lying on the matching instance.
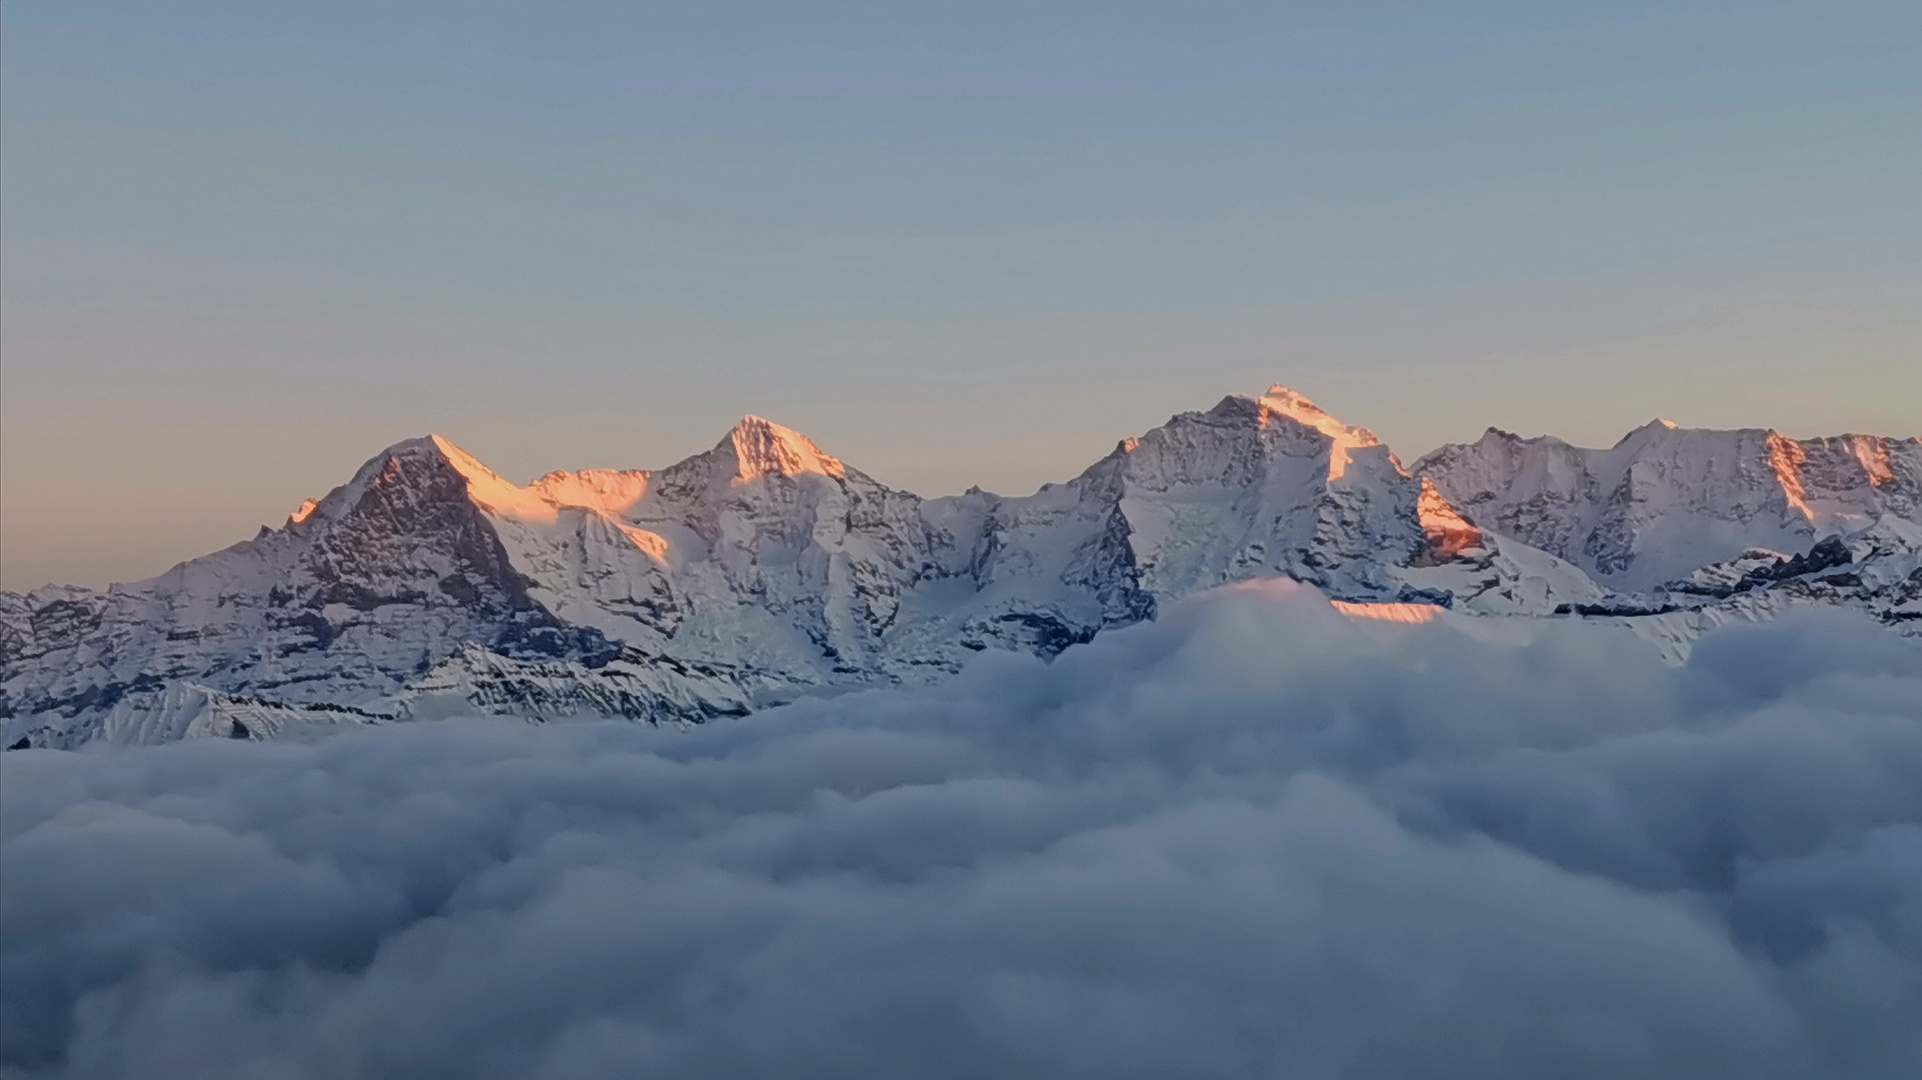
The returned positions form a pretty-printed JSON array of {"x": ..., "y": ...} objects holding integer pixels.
[
  {"x": 1249, "y": 839},
  {"x": 244, "y": 247}
]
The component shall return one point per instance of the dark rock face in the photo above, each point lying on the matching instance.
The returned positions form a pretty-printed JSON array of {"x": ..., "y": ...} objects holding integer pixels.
[
  {"x": 64, "y": 622},
  {"x": 1829, "y": 553},
  {"x": 412, "y": 537},
  {"x": 1106, "y": 567},
  {"x": 1044, "y": 635},
  {"x": 1409, "y": 594},
  {"x": 1616, "y": 607}
]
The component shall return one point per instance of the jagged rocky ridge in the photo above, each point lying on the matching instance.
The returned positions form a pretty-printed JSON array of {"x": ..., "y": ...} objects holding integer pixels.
[
  {"x": 764, "y": 568},
  {"x": 1689, "y": 527}
]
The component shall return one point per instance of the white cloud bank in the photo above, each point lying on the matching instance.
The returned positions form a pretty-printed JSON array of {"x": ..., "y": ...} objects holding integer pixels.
[{"x": 1253, "y": 839}]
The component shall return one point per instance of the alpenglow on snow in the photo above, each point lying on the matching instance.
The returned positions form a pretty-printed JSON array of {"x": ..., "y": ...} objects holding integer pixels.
[{"x": 764, "y": 568}]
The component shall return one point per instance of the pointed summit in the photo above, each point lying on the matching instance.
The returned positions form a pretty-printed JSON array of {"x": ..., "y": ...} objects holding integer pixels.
[
  {"x": 462, "y": 461},
  {"x": 428, "y": 464},
  {"x": 424, "y": 451},
  {"x": 484, "y": 485},
  {"x": 1653, "y": 428},
  {"x": 763, "y": 448},
  {"x": 1281, "y": 401}
]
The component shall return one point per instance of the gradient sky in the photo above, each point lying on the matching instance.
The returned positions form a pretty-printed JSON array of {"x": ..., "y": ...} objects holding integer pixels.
[{"x": 243, "y": 247}]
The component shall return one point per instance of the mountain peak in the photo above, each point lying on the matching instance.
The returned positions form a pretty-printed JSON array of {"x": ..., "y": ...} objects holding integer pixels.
[
  {"x": 763, "y": 448},
  {"x": 429, "y": 449},
  {"x": 463, "y": 462},
  {"x": 1278, "y": 400},
  {"x": 417, "y": 461},
  {"x": 484, "y": 486},
  {"x": 1283, "y": 401}
]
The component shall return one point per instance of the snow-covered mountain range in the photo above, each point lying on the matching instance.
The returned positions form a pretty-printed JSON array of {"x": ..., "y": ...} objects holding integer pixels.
[{"x": 764, "y": 568}]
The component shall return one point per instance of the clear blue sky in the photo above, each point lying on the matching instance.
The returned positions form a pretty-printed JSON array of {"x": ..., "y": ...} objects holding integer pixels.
[{"x": 242, "y": 247}]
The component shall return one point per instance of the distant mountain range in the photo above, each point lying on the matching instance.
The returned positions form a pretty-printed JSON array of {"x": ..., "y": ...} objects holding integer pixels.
[{"x": 763, "y": 568}]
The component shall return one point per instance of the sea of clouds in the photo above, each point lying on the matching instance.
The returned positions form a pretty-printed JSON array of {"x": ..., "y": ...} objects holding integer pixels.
[{"x": 1253, "y": 839}]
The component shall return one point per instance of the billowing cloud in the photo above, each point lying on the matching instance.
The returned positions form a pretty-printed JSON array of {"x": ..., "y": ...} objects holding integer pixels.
[{"x": 1255, "y": 838}]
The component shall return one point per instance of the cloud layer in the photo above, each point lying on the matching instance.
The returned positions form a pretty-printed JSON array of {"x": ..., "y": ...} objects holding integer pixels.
[{"x": 1254, "y": 838}]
